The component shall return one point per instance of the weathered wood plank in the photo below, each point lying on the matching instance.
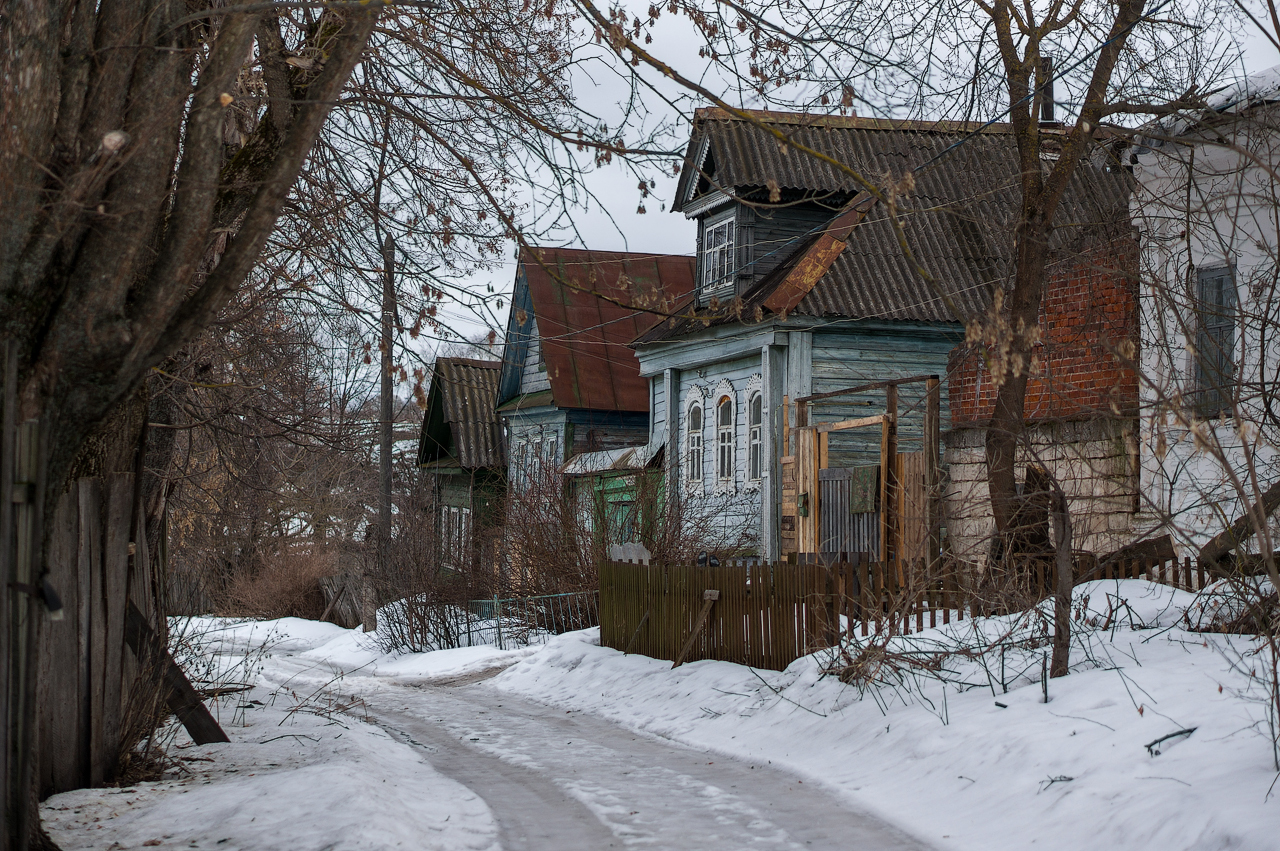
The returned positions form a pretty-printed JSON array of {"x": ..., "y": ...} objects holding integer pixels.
[{"x": 60, "y": 662}]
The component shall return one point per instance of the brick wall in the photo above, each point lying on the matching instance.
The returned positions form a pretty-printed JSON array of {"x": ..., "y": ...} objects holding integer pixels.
[
  {"x": 1081, "y": 408},
  {"x": 1090, "y": 306}
]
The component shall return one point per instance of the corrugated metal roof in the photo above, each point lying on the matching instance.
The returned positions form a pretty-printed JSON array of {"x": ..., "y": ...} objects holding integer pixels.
[
  {"x": 959, "y": 218},
  {"x": 608, "y": 460},
  {"x": 589, "y": 306},
  {"x": 461, "y": 421}
]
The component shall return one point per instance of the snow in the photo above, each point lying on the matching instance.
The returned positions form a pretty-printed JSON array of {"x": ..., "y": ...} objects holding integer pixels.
[
  {"x": 302, "y": 770},
  {"x": 953, "y": 766},
  {"x": 960, "y": 752}
]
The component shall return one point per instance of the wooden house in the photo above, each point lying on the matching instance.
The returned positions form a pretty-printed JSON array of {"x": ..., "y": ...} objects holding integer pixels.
[
  {"x": 804, "y": 293},
  {"x": 569, "y": 384},
  {"x": 460, "y": 453}
]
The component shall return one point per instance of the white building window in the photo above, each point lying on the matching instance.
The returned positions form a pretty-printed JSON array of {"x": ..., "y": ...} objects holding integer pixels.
[
  {"x": 1215, "y": 368},
  {"x": 693, "y": 447},
  {"x": 717, "y": 256},
  {"x": 725, "y": 438},
  {"x": 755, "y": 420}
]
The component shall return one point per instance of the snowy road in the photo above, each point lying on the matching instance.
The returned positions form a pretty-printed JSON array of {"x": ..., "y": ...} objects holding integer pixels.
[{"x": 566, "y": 781}]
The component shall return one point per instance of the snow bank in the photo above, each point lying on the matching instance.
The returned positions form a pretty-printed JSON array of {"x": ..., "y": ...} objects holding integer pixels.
[
  {"x": 301, "y": 772},
  {"x": 975, "y": 764}
]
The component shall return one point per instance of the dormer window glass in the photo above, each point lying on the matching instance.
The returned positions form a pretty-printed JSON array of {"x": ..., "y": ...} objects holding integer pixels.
[{"x": 717, "y": 256}]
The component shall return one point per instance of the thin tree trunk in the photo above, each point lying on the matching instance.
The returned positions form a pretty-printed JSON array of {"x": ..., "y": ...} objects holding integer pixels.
[
  {"x": 1007, "y": 418},
  {"x": 384, "y": 451}
]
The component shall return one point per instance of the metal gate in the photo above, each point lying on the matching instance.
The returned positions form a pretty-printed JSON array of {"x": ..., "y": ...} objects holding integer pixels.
[{"x": 850, "y": 521}]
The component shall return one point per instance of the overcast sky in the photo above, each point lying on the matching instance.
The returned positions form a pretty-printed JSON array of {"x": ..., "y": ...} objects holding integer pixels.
[{"x": 610, "y": 222}]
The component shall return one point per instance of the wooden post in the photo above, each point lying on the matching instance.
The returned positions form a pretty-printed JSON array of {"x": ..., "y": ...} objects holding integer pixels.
[
  {"x": 786, "y": 427},
  {"x": 932, "y": 477},
  {"x": 709, "y": 598},
  {"x": 888, "y": 476}
]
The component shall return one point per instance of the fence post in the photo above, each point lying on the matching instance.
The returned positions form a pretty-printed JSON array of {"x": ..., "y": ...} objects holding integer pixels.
[{"x": 497, "y": 619}]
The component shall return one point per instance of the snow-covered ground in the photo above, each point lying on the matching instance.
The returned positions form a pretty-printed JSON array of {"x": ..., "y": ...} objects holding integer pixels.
[
  {"x": 977, "y": 762},
  {"x": 302, "y": 770},
  {"x": 976, "y": 766}
]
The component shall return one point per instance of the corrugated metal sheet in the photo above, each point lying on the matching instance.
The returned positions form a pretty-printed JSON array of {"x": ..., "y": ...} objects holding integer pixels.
[
  {"x": 607, "y": 460},
  {"x": 959, "y": 218},
  {"x": 589, "y": 305},
  {"x": 461, "y": 421}
]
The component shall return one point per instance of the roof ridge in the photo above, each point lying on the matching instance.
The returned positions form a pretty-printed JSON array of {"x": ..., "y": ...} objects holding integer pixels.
[
  {"x": 852, "y": 122},
  {"x": 481, "y": 362}
]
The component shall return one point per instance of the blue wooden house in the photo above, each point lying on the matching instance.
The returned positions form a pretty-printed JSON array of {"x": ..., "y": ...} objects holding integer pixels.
[
  {"x": 569, "y": 384},
  {"x": 802, "y": 289}
]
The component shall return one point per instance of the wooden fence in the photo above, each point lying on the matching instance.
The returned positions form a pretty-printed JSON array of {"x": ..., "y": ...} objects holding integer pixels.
[
  {"x": 768, "y": 615},
  {"x": 761, "y": 618},
  {"x": 84, "y": 669}
]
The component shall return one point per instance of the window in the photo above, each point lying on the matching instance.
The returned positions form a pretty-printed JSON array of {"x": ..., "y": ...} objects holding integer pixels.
[
  {"x": 755, "y": 419},
  {"x": 693, "y": 436},
  {"x": 724, "y": 439},
  {"x": 717, "y": 255},
  {"x": 1215, "y": 339},
  {"x": 455, "y": 533}
]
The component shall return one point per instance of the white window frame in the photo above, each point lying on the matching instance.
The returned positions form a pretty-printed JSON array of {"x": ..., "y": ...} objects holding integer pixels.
[
  {"x": 718, "y": 266},
  {"x": 693, "y": 452},
  {"x": 755, "y": 434},
  {"x": 726, "y": 441}
]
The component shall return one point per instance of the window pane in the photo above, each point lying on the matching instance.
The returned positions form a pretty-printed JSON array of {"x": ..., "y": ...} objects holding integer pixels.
[
  {"x": 1215, "y": 340},
  {"x": 756, "y": 410}
]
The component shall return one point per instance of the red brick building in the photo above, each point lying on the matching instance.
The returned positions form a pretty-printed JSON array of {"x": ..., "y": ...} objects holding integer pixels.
[{"x": 1082, "y": 401}]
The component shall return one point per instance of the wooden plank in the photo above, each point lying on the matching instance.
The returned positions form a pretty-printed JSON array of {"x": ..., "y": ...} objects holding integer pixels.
[
  {"x": 863, "y": 388},
  {"x": 115, "y": 570},
  {"x": 60, "y": 663},
  {"x": 182, "y": 700},
  {"x": 91, "y": 553},
  {"x": 844, "y": 425},
  {"x": 709, "y": 598},
  {"x": 10, "y": 797}
]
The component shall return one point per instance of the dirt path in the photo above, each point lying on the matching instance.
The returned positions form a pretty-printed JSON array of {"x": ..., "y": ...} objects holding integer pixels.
[{"x": 564, "y": 781}]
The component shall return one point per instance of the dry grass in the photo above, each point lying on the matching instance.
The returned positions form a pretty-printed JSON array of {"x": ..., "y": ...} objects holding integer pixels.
[{"x": 289, "y": 586}]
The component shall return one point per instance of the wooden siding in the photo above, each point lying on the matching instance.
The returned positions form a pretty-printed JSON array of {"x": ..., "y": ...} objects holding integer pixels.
[
  {"x": 657, "y": 405},
  {"x": 844, "y": 359},
  {"x": 533, "y": 372},
  {"x": 593, "y": 431},
  {"x": 770, "y": 236}
]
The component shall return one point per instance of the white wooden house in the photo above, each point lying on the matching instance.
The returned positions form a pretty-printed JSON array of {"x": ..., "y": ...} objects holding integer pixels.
[{"x": 1208, "y": 206}]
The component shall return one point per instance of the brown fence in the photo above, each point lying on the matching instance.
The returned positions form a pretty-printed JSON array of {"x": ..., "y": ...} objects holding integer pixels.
[
  {"x": 769, "y": 615},
  {"x": 764, "y": 617}
]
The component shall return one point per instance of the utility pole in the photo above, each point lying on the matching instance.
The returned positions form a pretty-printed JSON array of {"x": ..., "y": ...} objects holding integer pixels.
[{"x": 384, "y": 454}]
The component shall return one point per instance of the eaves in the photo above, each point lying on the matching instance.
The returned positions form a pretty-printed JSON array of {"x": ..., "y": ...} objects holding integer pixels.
[{"x": 711, "y": 345}]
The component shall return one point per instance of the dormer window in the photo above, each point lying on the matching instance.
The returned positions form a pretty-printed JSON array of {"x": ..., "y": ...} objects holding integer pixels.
[{"x": 717, "y": 255}]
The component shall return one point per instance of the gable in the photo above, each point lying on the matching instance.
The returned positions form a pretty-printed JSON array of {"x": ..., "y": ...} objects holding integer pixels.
[
  {"x": 586, "y": 307},
  {"x": 520, "y": 331},
  {"x": 461, "y": 422}
]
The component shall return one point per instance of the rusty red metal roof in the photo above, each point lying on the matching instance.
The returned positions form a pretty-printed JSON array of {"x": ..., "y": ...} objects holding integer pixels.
[{"x": 589, "y": 306}]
